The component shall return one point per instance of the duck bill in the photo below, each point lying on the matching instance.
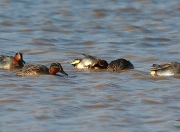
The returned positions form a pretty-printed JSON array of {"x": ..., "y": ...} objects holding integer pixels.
[
  {"x": 63, "y": 72},
  {"x": 72, "y": 63}
]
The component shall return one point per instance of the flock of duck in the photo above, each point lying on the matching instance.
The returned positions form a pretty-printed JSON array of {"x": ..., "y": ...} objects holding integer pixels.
[{"x": 88, "y": 62}]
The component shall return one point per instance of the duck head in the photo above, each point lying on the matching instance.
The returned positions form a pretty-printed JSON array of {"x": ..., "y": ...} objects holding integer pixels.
[
  {"x": 18, "y": 59},
  {"x": 102, "y": 64},
  {"x": 75, "y": 62},
  {"x": 55, "y": 68}
]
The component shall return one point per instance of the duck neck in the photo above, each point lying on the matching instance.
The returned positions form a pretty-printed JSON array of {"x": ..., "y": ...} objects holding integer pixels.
[{"x": 15, "y": 62}]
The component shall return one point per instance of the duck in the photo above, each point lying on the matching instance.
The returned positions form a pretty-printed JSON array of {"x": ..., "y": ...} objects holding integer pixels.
[
  {"x": 166, "y": 69},
  {"x": 119, "y": 64},
  {"x": 93, "y": 62},
  {"x": 31, "y": 70},
  {"x": 89, "y": 62},
  {"x": 10, "y": 62}
]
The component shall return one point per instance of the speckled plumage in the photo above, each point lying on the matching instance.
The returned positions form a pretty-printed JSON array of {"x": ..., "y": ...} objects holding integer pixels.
[
  {"x": 119, "y": 64},
  {"x": 40, "y": 70},
  {"x": 33, "y": 70},
  {"x": 168, "y": 69}
]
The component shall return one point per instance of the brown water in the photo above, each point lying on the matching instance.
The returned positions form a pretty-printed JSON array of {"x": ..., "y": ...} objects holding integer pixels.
[{"x": 142, "y": 31}]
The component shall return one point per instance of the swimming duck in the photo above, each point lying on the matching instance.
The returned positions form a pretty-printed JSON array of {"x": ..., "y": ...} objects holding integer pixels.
[
  {"x": 93, "y": 62},
  {"x": 89, "y": 62},
  {"x": 41, "y": 69},
  {"x": 10, "y": 62},
  {"x": 168, "y": 69},
  {"x": 119, "y": 64}
]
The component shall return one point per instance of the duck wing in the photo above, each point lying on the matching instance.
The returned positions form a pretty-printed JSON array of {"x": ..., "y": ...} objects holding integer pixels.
[
  {"x": 172, "y": 66},
  {"x": 90, "y": 56},
  {"x": 33, "y": 70},
  {"x": 89, "y": 60},
  {"x": 156, "y": 67}
]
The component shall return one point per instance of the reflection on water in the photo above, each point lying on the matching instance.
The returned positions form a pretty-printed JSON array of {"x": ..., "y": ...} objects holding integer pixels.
[{"x": 142, "y": 31}]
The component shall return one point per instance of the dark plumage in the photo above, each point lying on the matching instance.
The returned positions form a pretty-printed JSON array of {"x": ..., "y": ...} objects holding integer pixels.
[
  {"x": 119, "y": 64},
  {"x": 101, "y": 64}
]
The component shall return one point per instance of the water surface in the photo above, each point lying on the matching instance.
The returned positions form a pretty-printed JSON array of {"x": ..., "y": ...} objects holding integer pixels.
[{"x": 142, "y": 31}]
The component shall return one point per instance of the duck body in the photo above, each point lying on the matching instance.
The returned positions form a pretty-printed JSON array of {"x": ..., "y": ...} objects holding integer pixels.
[
  {"x": 31, "y": 70},
  {"x": 10, "y": 62},
  {"x": 119, "y": 64},
  {"x": 93, "y": 62},
  {"x": 168, "y": 69},
  {"x": 88, "y": 62},
  {"x": 6, "y": 62}
]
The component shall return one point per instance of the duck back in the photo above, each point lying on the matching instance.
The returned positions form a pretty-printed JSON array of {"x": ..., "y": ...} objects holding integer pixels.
[
  {"x": 119, "y": 64},
  {"x": 6, "y": 62}
]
